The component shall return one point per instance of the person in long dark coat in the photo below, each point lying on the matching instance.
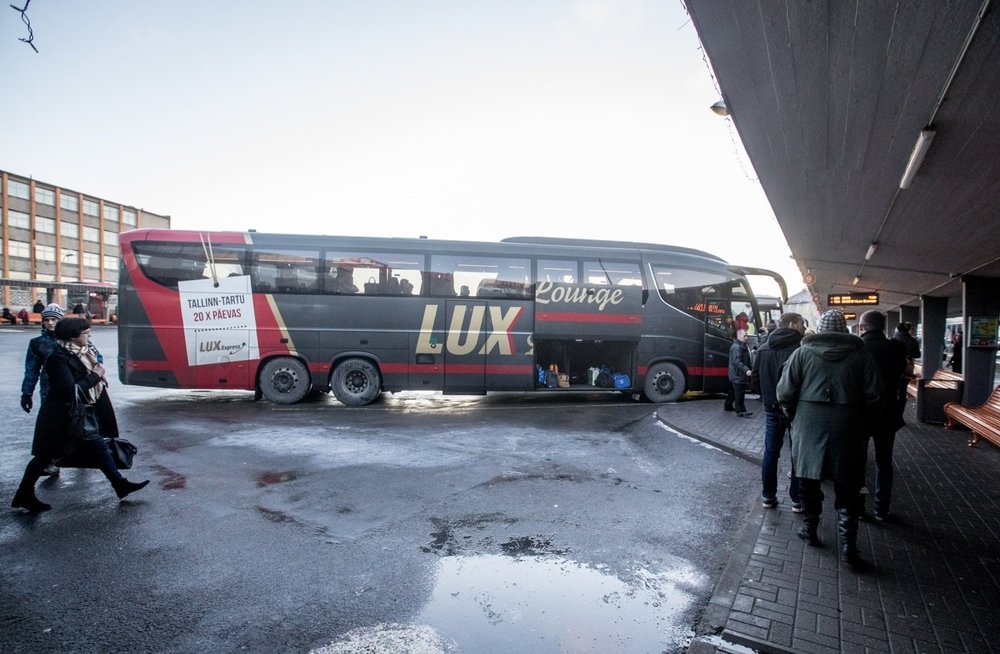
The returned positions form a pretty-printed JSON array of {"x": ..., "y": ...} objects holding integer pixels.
[
  {"x": 890, "y": 356},
  {"x": 71, "y": 367},
  {"x": 829, "y": 388}
]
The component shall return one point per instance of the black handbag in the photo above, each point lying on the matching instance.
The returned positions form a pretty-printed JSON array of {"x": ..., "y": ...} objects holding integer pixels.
[
  {"x": 122, "y": 452},
  {"x": 83, "y": 423}
]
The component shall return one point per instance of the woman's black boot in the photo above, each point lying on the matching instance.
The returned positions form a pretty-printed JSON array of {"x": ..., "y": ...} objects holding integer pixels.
[
  {"x": 123, "y": 486},
  {"x": 25, "y": 498}
]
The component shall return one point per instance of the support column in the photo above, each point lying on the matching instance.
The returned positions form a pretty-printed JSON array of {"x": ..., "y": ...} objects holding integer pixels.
[
  {"x": 910, "y": 314},
  {"x": 980, "y": 297},
  {"x": 933, "y": 312}
]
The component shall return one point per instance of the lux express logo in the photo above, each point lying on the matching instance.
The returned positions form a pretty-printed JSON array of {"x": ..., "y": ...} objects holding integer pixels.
[{"x": 228, "y": 349}]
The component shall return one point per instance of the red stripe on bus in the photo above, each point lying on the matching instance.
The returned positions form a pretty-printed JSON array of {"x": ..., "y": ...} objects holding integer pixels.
[
  {"x": 709, "y": 372},
  {"x": 694, "y": 370},
  {"x": 605, "y": 318}
]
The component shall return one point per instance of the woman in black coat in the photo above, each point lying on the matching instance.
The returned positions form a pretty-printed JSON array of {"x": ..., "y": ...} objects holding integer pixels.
[{"x": 71, "y": 367}]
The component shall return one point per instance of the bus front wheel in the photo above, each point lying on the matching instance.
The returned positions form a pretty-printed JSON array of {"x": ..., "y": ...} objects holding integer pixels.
[
  {"x": 284, "y": 380},
  {"x": 356, "y": 382},
  {"x": 664, "y": 383}
]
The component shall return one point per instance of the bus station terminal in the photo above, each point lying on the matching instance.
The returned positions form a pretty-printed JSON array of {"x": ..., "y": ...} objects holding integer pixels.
[{"x": 873, "y": 134}]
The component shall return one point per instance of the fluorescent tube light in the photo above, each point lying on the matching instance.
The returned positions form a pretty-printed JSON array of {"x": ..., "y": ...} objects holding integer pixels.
[
  {"x": 917, "y": 156},
  {"x": 871, "y": 251},
  {"x": 856, "y": 280}
]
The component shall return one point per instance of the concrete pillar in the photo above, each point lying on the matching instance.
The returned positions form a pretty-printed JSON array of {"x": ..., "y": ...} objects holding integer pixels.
[
  {"x": 892, "y": 319},
  {"x": 980, "y": 298},
  {"x": 910, "y": 314},
  {"x": 933, "y": 312}
]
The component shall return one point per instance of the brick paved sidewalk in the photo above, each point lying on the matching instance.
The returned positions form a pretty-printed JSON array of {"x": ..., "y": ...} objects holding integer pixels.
[{"x": 935, "y": 583}]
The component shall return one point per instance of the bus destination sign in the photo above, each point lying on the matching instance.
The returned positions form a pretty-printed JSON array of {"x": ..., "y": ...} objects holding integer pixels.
[{"x": 851, "y": 299}]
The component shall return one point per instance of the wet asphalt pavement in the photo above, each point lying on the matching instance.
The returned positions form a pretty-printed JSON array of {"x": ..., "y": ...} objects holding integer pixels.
[{"x": 424, "y": 523}]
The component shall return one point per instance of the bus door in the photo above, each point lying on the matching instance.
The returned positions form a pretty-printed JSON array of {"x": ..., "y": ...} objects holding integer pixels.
[
  {"x": 464, "y": 351},
  {"x": 718, "y": 339}
]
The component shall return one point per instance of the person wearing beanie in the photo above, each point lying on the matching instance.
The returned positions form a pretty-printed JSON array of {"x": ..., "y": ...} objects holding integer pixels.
[
  {"x": 74, "y": 372},
  {"x": 39, "y": 349},
  {"x": 829, "y": 390}
]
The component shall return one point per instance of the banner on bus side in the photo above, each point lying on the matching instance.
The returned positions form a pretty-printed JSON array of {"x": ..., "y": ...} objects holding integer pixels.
[{"x": 219, "y": 321}]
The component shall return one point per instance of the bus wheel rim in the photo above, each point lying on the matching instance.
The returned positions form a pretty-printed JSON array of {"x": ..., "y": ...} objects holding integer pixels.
[{"x": 284, "y": 380}]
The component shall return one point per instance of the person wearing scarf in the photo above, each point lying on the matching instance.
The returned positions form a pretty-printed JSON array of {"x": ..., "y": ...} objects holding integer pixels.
[{"x": 72, "y": 366}]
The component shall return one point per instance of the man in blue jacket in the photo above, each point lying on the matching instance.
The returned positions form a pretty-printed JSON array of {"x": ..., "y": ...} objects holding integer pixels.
[
  {"x": 767, "y": 365},
  {"x": 39, "y": 349}
]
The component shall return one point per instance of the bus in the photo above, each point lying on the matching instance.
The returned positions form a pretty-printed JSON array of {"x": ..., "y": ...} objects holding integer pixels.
[{"x": 284, "y": 315}]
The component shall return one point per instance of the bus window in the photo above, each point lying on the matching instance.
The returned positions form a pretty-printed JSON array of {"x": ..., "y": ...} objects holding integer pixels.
[
  {"x": 558, "y": 271},
  {"x": 687, "y": 289},
  {"x": 612, "y": 273},
  {"x": 169, "y": 263},
  {"x": 373, "y": 274},
  {"x": 284, "y": 271},
  {"x": 470, "y": 276}
]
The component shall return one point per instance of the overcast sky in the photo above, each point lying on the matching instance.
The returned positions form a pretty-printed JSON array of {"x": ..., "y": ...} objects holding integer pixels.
[{"x": 449, "y": 119}]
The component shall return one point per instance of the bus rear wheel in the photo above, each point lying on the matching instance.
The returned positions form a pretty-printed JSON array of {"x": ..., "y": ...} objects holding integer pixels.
[
  {"x": 356, "y": 382},
  {"x": 664, "y": 383},
  {"x": 284, "y": 380}
]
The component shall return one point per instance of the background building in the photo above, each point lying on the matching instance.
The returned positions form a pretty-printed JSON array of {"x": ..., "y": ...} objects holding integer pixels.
[{"x": 62, "y": 246}]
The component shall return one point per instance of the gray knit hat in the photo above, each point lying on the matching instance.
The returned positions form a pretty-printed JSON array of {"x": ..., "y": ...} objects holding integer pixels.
[
  {"x": 53, "y": 311},
  {"x": 832, "y": 321}
]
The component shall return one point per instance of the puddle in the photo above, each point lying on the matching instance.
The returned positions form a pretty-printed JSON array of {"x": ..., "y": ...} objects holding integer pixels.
[{"x": 553, "y": 604}]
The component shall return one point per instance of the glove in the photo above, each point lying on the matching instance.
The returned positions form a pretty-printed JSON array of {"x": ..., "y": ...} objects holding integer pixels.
[{"x": 26, "y": 403}]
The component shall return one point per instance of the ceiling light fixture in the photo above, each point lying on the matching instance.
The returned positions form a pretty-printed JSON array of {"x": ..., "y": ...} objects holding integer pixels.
[
  {"x": 917, "y": 156},
  {"x": 856, "y": 280},
  {"x": 871, "y": 250},
  {"x": 720, "y": 108}
]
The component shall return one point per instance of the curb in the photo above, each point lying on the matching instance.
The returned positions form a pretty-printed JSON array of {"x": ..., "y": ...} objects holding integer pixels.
[{"x": 716, "y": 614}]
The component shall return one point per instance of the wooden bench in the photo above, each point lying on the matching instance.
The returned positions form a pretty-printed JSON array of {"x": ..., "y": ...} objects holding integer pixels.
[
  {"x": 983, "y": 420},
  {"x": 940, "y": 379},
  {"x": 36, "y": 319}
]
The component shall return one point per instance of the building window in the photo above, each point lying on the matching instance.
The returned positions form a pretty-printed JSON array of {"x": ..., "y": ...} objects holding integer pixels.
[
  {"x": 45, "y": 253},
  {"x": 18, "y": 219},
  {"x": 128, "y": 218},
  {"x": 110, "y": 238},
  {"x": 68, "y": 202},
  {"x": 45, "y": 196},
  {"x": 91, "y": 208},
  {"x": 91, "y": 234},
  {"x": 69, "y": 230},
  {"x": 68, "y": 257},
  {"x": 46, "y": 225},
  {"x": 110, "y": 263},
  {"x": 18, "y": 249},
  {"x": 111, "y": 213},
  {"x": 91, "y": 260},
  {"x": 18, "y": 190}
]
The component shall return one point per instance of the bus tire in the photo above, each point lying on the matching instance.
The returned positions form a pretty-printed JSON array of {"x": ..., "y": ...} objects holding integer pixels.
[
  {"x": 664, "y": 383},
  {"x": 284, "y": 380},
  {"x": 356, "y": 382}
]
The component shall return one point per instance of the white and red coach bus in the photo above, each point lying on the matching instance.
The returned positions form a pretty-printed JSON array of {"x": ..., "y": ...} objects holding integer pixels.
[{"x": 284, "y": 314}]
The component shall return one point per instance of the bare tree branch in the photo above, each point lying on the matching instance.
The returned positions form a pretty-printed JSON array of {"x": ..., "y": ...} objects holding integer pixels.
[{"x": 27, "y": 23}]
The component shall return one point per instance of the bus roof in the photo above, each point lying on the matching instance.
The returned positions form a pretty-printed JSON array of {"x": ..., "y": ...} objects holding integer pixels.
[{"x": 537, "y": 244}]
